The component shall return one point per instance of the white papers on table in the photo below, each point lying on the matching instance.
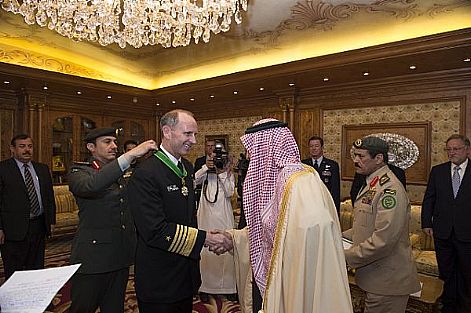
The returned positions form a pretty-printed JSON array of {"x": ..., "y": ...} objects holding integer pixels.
[
  {"x": 418, "y": 293},
  {"x": 347, "y": 244},
  {"x": 32, "y": 291}
]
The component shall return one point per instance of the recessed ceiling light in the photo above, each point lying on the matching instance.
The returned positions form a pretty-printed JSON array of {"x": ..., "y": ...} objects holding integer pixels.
[
  {"x": 6, "y": 82},
  {"x": 261, "y": 89},
  {"x": 326, "y": 79},
  {"x": 366, "y": 73},
  {"x": 412, "y": 67},
  {"x": 236, "y": 92},
  {"x": 291, "y": 84},
  {"x": 173, "y": 101},
  {"x": 45, "y": 87},
  {"x": 79, "y": 92},
  {"x": 109, "y": 97},
  {"x": 467, "y": 60},
  {"x": 211, "y": 96},
  {"x": 192, "y": 99},
  {"x": 134, "y": 99},
  {"x": 157, "y": 104}
]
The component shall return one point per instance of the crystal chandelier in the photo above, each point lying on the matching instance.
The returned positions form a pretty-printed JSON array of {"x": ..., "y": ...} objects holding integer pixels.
[{"x": 134, "y": 22}]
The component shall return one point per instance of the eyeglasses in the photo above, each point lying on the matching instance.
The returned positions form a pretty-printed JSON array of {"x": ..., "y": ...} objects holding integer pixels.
[{"x": 454, "y": 149}]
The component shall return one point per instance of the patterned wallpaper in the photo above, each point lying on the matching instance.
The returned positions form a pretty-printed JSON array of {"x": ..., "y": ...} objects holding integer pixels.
[
  {"x": 232, "y": 127},
  {"x": 445, "y": 118}
]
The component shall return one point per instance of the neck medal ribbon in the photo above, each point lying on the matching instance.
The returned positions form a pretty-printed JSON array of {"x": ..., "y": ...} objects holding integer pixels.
[{"x": 182, "y": 174}]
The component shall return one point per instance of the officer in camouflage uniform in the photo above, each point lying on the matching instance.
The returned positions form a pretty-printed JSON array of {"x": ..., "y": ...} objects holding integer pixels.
[
  {"x": 381, "y": 252},
  {"x": 105, "y": 240}
]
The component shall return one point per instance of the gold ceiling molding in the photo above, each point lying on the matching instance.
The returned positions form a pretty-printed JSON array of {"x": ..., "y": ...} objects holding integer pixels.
[
  {"x": 23, "y": 58},
  {"x": 316, "y": 14}
]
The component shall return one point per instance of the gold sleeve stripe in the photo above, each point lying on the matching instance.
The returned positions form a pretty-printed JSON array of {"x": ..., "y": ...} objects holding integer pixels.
[
  {"x": 190, "y": 241},
  {"x": 176, "y": 239},
  {"x": 181, "y": 242}
]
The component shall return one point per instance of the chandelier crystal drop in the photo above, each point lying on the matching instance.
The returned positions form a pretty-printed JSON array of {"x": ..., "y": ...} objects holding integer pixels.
[{"x": 131, "y": 22}]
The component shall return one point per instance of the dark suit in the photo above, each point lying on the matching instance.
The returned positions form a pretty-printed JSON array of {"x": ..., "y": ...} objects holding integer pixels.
[
  {"x": 15, "y": 217},
  {"x": 105, "y": 240},
  {"x": 198, "y": 165},
  {"x": 359, "y": 180},
  {"x": 450, "y": 219},
  {"x": 169, "y": 244},
  {"x": 330, "y": 175}
]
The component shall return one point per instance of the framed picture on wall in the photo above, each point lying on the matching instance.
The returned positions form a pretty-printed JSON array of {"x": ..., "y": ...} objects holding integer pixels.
[
  {"x": 419, "y": 133},
  {"x": 224, "y": 139}
]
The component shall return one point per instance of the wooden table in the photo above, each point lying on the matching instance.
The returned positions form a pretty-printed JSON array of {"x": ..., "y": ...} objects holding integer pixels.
[{"x": 427, "y": 303}]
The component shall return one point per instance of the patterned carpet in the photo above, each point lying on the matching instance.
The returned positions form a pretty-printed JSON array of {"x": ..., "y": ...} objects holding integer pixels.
[{"x": 57, "y": 254}]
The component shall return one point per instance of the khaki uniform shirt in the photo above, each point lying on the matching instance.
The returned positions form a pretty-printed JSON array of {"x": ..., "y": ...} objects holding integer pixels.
[{"x": 381, "y": 252}]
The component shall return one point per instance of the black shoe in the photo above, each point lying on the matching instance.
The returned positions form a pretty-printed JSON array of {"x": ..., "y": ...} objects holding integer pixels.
[
  {"x": 204, "y": 297},
  {"x": 232, "y": 297}
]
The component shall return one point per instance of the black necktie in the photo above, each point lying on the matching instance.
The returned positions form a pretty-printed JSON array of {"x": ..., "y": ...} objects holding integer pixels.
[
  {"x": 180, "y": 166},
  {"x": 316, "y": 166},
  {"x": 33, "y": 197}
]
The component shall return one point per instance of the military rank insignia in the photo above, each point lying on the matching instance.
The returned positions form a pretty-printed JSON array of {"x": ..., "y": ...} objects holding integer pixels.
[
  {"x": 384, "y": 179},
  {"x": 388, "y": 201}
]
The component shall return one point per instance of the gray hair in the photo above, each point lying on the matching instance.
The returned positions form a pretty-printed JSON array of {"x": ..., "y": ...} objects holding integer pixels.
[
  {"x": 171, "y": 118},
  {"x": 463, "y": 138}
]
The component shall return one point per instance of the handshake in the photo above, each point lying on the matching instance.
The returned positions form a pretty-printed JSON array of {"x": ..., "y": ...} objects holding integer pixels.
[{"x": 218, "y": 241}]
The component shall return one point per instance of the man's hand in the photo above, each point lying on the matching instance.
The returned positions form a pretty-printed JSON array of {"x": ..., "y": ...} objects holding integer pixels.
[
  {"x": 2, "y": 237},
  {"x": 210, "y": 162},
  {"x": 218, "y": 241},
  {"x": 428, "y": 231},
  {"x": 141, "y": 150}
]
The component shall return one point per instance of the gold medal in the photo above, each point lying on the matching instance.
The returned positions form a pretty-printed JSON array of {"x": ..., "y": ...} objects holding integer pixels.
[{"x": 185, "y": 191}]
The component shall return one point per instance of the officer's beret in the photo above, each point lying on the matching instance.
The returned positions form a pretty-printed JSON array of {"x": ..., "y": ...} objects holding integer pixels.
[
  {"x": 372, "y": 143},
  {"x": 99, "y": 132}
]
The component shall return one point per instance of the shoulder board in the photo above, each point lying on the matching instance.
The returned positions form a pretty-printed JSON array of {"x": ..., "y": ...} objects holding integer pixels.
[
  {"x": 384, "y": 179},
  {"x": 390, "y": 191}
]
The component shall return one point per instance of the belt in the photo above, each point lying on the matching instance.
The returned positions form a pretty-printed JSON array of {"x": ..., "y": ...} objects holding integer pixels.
[{"x": 37, "y": 217}]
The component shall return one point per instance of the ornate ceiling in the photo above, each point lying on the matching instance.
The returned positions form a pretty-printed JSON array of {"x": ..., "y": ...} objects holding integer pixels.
[{"x": 272, "y": 33}]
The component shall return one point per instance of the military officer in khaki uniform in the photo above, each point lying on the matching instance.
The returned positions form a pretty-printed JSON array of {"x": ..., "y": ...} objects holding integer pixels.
[{"x": 381, "y": 252}]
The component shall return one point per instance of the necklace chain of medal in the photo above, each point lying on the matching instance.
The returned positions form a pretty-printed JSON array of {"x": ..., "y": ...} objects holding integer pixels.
[{"x": 182, "y": 174}]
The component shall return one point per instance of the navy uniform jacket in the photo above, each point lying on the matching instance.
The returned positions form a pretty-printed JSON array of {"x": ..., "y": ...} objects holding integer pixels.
[
  {"x": 14, "y": 200},
  {"x": 441, "y": 211},
  {"x": 330, "y": 175},
  {"x": 169, "y": 243},
  {"x": 106, "y": 239}
]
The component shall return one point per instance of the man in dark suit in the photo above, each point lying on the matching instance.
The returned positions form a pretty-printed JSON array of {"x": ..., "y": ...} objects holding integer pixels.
[
  {"x": 27, "y": 208},
  {"x": 446, "y": 215},
  {"x": 105, "y": 240},
  {"x": 162, "y": 202},
  {"x": 328, "y": 169},
  {"x": 360, "y": 180}
]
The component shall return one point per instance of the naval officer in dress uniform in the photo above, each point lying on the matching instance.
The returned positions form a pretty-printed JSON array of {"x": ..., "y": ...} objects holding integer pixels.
[
  {"x": 105, "y": 240},
  {"x": 162, "y": 201},
  {"x": 381, "y": 252}
]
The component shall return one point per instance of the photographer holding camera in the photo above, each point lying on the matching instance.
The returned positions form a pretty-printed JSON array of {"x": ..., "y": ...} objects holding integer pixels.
[{"x": 215, "y": 212}]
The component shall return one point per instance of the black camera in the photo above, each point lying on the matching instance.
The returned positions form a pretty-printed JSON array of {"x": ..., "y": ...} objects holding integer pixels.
[{"x": 220, "y": 156}]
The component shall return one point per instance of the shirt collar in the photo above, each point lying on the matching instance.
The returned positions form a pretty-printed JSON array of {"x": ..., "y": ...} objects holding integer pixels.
[
  {"x": 21, "y": 164},
  {"x": 319, "y": 160},
  {"x": 463, "y": 166},
  {"x": 170, "y": 156}
]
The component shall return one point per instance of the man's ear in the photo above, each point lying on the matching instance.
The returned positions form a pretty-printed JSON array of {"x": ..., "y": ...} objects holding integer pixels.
[
  {"x": 91, "y": 146},
  {"x": 166, "y": 131},
  {"x": 379, "y": 158}
]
